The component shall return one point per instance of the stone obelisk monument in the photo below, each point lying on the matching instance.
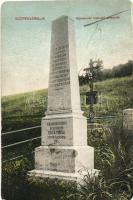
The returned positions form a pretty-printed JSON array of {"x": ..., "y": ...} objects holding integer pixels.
[{"x": 63, "y": 152}]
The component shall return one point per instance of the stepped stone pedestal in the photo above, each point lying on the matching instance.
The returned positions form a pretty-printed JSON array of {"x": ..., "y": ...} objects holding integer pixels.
[{"x": 63, "y": 153}]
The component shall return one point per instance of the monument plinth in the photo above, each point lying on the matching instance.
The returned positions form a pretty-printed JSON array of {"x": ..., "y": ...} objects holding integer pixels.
[{"x": 64, "y": 152}]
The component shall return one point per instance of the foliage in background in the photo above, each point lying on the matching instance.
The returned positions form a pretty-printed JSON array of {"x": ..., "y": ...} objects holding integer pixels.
[
  {"x": 114, "y": 96},
  {"x": 121, "y": 70}
]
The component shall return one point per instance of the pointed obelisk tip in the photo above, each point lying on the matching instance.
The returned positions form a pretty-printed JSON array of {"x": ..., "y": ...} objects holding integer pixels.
[{"x": 63, "y": 17}]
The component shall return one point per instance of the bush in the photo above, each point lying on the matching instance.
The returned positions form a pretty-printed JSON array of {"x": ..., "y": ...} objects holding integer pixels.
[
  {"x": 121, "y": 70},
  {"x": 51, "y": 189},
  {"x": 94, "y": 188},
  {"x": 14, "y": 184}
]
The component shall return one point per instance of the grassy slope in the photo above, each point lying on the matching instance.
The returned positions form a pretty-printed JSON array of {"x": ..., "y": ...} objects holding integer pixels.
[
  {"x": 114, "y": 95},
  {"x": 26, "y": 109}
]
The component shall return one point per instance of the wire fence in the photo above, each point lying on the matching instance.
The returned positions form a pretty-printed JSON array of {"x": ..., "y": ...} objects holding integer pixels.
[
  {"x": 20, "y": 156},
  {"x": 24, "y": 141},
  {"x": 21, "y": 142},
  {"x": 39, "y": 126},
  {"x": 36, "y": 138},
  {"x": 21, "y": 130}
]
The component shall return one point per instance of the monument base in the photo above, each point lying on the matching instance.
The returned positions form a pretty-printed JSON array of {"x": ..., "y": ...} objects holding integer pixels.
[
  {"x": 69, "y": 159},
  {"x": 76, "y": 177},
  {"x": 64, "y": 162}
]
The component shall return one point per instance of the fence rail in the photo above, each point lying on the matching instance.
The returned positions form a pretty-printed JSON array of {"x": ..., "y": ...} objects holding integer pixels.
[
  {"x": 112, "y": 116},
  {"x": 39, "y": 126},
  {"x": 14, "y": 158},
  {"x": 36, "y": 138},
  {"x": 21, "y": 130},
  {"x": 24, "y": 141}
]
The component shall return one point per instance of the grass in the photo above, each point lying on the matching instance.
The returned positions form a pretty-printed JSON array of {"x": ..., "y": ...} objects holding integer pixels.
[{"x": 27, "y": 109}]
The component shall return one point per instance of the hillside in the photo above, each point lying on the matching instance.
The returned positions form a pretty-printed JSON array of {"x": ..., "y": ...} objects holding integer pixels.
[
  {"x": 113, "y": 150},
  {"x": 27, "y": 109}
]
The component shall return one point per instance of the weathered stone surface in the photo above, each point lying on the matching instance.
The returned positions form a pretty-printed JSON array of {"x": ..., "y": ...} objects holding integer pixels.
[
  {"x": 64, "y": 152},
  {"x": 64, "y": 129},
  {"x": 70, "y": 159},
  {"x": 78, "y": 177},
  {"x": 63, "y": 93}
]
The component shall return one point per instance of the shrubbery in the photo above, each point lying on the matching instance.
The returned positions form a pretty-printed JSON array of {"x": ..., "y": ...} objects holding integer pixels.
[
  {"x": 113, "y": 157},
  {"x": 121, "y": 70}
]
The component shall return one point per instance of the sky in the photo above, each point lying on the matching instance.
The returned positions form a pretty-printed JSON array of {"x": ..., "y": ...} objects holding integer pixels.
[{"x": 26, "y": 43}]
